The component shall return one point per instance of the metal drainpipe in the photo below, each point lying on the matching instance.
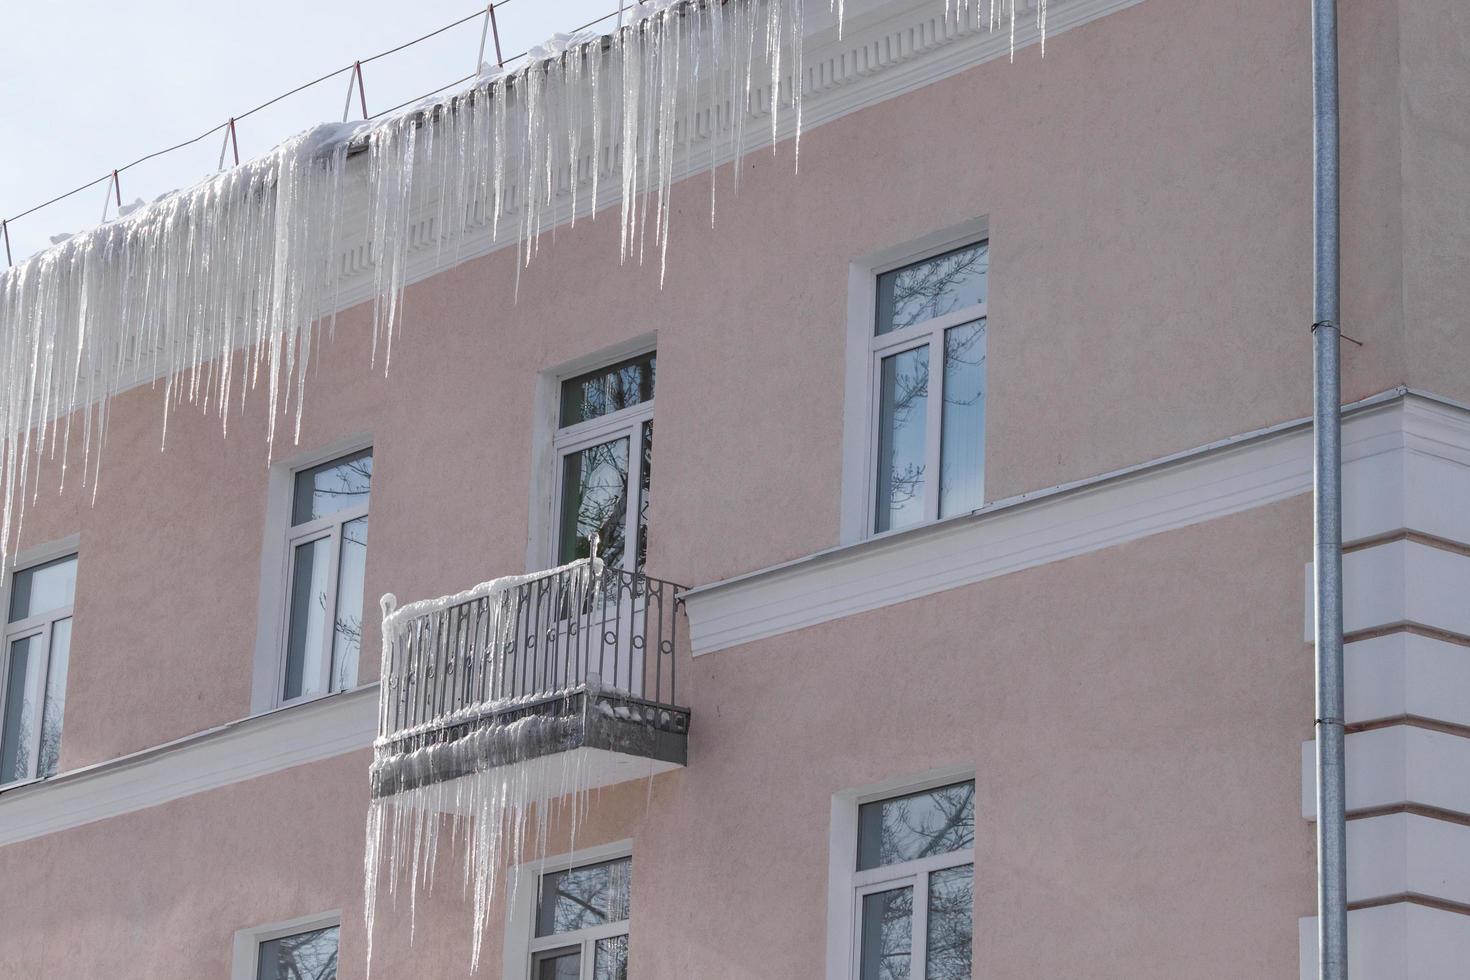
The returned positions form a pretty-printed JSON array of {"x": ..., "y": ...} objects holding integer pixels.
[{"x": 1327, "y": 499}]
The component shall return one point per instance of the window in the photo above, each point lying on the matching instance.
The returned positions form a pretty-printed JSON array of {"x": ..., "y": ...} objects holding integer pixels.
[
  {"x": 604, "y": 448},
  {"x": 299, "y": 949},
  {"x": 582, "y": 922},
  {"x": 927, "y": 369},
  {"x": 326, "y": 556},
  {"x": 912, "y": 886},
  {"x": 33, "y": 685},
  {"x": 304, "y": 956}
]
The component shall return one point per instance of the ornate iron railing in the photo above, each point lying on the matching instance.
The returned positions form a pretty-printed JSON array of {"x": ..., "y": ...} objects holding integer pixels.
[{"x": 501, "y": 649}]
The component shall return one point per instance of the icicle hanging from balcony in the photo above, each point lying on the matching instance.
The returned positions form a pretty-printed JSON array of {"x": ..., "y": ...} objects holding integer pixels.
[{"x": 459, "y": 732}]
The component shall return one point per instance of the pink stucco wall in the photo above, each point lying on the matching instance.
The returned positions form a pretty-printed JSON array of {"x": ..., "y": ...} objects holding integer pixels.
[
  {"x": 1149, "y": 293},
  {"x": 1134, "y": 714}
]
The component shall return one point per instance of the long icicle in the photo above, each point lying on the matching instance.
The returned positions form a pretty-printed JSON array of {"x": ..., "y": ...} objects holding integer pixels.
[{"x": 246, "y": 264}]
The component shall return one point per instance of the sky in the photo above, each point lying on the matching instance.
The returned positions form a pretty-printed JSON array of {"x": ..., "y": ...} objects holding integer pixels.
[{"x": 87, "y": 85}]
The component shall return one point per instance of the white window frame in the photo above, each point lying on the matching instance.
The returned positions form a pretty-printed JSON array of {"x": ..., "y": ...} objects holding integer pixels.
[
  {"x": 552, "y": 443},
  {"x": 245, "y": 953},
  {"x": 277, "y": 568},
  {"x": 865, "y": 353},
  {"x": 625, "y": 423},
  {"x": 522, "y": 945},
  {"x": 38, "y": 625},
  {"x": 846, "y": 886},
  {"x": 544, "y": 523}
]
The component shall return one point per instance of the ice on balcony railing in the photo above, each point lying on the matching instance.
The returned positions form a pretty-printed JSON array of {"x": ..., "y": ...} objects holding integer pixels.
[{"x": 524, "y": 690}]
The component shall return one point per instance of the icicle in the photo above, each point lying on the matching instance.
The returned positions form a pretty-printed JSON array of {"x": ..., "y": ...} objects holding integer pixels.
[
  {"x": 495, "y": 773},
  {"x": 245, "y": 265}
]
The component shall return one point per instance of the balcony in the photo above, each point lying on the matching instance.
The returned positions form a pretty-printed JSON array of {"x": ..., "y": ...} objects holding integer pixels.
[{"x": 579, "y": 660}]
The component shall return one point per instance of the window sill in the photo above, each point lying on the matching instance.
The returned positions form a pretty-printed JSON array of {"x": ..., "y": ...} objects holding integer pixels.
[
  {"x": 18, "y": 784},
  {"x": 306, "y": 699}
]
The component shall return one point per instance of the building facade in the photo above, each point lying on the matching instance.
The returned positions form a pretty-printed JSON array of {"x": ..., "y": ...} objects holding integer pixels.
[{"x": 994, "y": 624}]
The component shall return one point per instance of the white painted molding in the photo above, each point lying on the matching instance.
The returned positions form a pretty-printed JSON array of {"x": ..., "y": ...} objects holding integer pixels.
[
  {"x": 1408, "y": 784},
  {"x": 887, "y": 50},
  {"x": 1226, "y": 477},
  {"x": 218, "y": 757},
  {"x": 1401, "y": 581},
  {"x": 1401, "y": 941},
  {"x": 1411, "y": 471},
  {"x": 1407, "y": 854},
  {"x": 1399, "y": 764},
  {"x": 1406, "y": 674}
]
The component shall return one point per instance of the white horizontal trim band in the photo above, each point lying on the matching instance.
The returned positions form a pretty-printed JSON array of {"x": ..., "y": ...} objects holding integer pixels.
[
  {"x": 894, "y": 48},
  {"x": 232, "y": 753},
  {"x": 1213, "y": 481}
]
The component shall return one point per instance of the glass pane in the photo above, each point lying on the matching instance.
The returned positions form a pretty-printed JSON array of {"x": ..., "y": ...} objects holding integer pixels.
[
  {"x": 935, "y": 821},
  {"x": 55, "y": 697},
  {"x": 902, "y": 420},
  {"x": 887, "y": 941},
  {"x": 607, "y": 390},
  {"x": 563, "y": 966},
  {"x": 23, "y": 683},
  {"x": 331, "y": 487},
  {"x": 347, "y": 631},
  {"x": 611, "y": 962},
  {"x": 584, "y": 897},
  {"x": 594, "y": 499},
  {"x": 951, "y": 924},
  {"x": 308, "y": 618},
  {"x": 43, "y": 588},
  {"x": 644, "y": 480},
  {"x": 306, "y": 956},
  {"x": 933, "y": 287},
  {"x": 962, "y": 436}
]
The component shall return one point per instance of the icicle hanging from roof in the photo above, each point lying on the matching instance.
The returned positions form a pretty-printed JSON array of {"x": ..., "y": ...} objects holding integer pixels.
[
  {"x": 222, "y": 288},
  {"x": 243, "y": 262}
]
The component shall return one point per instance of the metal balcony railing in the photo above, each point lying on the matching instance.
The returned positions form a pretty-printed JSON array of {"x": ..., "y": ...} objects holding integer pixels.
[{"x": 576, "y": 639}]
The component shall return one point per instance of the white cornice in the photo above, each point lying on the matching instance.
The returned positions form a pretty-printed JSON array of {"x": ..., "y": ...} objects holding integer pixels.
[
  {"x": 1209, "y": 482},
  {"x": 238, "y": 751},
  {"x": 886, "y": 51}
]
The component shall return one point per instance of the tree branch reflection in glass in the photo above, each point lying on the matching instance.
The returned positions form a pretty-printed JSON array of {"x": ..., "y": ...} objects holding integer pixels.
[
  {"x": 902, "y": 439},
  {"x": 595, "y": 501},
  {"x": 306, "y": 956},
  {"x": 920, "y": 825},
  {"x": 933, "y": 288}
]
